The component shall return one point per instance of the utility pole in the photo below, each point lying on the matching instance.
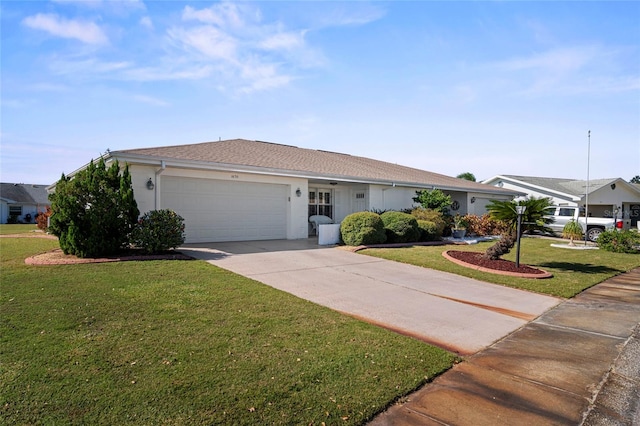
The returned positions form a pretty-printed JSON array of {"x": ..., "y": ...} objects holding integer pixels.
[{"x": 586, "y": 193}]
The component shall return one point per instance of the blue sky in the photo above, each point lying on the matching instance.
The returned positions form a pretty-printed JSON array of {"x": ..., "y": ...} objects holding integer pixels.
[{"x": 450, "y": 87}]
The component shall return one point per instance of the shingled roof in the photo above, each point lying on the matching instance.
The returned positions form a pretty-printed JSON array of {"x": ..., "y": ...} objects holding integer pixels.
[
  {"x": 19, "y": 193},
  {"x": 567, "y": 186},
  {"x": 311, "y": 163}
]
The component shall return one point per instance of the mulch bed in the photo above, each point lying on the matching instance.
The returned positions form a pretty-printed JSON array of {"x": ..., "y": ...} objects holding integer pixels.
[{"x": 500, "y": 266}]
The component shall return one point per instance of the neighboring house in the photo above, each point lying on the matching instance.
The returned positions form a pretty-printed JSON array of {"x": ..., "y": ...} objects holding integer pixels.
[
  {"x": 613, "y": 197},
  {"x": 21, "y": 202},
  {"x": 237, "y": 190}
]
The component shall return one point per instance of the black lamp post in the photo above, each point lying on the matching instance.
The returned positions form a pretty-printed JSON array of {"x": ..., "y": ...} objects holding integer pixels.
[{"x": 520, "y": 210}]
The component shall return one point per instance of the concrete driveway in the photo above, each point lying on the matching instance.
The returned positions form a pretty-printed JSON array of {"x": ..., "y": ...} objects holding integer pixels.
[{"x": 457, "y": 313}]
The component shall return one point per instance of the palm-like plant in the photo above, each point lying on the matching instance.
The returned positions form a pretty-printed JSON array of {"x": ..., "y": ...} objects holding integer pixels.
[
  {"x": 533, "y": 219},
  {"x": 572, "y": 230}
]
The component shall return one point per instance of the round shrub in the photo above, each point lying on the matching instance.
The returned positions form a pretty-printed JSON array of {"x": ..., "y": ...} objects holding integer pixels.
[
  {"x": 428, "y": 231},
  {"x": 620, "y": 241},
  {"x": 362, "y": 228},
  {"x": 420, "y": 213},
  {"x": 158, "y": 231},
  {"x": 400, "y": 227}
]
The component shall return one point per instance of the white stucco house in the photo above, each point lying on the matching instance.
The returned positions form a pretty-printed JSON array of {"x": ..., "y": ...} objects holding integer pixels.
[
  {"x": 22, "y": 201},
  {"x": 237, "y": 190},
  {"x": 606, "y": 197}
]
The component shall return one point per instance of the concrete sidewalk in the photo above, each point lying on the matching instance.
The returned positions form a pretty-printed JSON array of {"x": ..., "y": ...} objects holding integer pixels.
[
  {"x": 577, "y": 364},
  {"x": 453, "y": 312}
]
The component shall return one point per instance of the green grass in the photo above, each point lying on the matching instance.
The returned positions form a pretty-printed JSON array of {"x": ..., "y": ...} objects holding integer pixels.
[
  {"x": 573, "y": 270},
  {"x": 18, "y": 228},
  {"x": 184, "y": 342}
]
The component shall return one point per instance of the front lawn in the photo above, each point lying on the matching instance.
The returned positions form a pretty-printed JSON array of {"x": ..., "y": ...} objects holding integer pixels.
[
  {"x": 184, "y": 342},
  {"x": 573, "y": 270},
  {"x": 17, "y": 228}
]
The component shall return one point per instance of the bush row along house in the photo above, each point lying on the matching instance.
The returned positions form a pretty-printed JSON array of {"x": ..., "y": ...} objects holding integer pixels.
[
  {"x": 242, "y": 190},
  {"x": 22, "y": 202},
  {"x": 613, "y": 197}
]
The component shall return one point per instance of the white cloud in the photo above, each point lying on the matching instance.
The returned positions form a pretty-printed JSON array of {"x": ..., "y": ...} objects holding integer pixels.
[
  {"x": 165, "y": 73},
  {"x": 150, "y": 100},
  {"x": 86, "y": 66},
  {"x": 283, "y": 41},
  {"x": 146, "y": 22},
  {"x": 119, "y": 7},
  {"x": 225, "y": 15},
  {"x": 569, "y": 71},
  {"x": 84, "y": 31},
  {"x": 206, "y": 40}
]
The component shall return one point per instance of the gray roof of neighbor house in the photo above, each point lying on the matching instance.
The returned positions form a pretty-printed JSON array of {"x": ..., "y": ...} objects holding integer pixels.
[
  {"x": 567, "y": 186},
  {"x": 20, "y": 193},
  {"x": 276, "y": 158}
]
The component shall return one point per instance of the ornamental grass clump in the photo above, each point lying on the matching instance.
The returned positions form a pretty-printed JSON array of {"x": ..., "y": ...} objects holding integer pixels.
[
  {"x": 572, "y": 230},
  {"x": 158, "y": 231}
]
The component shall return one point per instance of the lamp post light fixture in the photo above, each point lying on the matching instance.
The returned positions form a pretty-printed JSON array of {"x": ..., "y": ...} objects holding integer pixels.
[{"x": 520, "y": 211}]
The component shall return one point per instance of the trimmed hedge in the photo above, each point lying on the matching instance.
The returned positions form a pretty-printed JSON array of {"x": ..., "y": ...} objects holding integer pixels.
[
  {"x": 158, "y": 231},
  {"x": 430, "y": 215},
  {"x": 362, "y": 228},
  {"x": 400, "y": 227},
  {"x": 428, "y": 231}
]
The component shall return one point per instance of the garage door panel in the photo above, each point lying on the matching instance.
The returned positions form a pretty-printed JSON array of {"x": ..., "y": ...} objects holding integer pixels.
[{"x": 217, "y": 210}]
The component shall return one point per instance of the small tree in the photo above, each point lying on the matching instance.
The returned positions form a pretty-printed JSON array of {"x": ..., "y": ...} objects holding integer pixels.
[
  {"x": 572, "y": 230},
  {"x": 533, "y": 219},
  {"x": 635, "y": 179},
  {"x": 467, "y": 176},
  {"x": 433, "y": 199},
  {"x": 94, "y": 212}
]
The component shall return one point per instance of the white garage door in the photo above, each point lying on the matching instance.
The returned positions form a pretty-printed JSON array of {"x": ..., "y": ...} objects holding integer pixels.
[{"x": 216, "y": 210}]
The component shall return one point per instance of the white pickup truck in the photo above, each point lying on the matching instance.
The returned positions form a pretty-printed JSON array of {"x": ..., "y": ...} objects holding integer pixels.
[{"x": 595, "y": 225}]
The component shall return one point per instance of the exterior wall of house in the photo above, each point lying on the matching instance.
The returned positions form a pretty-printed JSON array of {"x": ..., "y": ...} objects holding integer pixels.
[
  {"x": 387, "y": 197},
  {"x": 297, "y": 224},
  {"x": 478, "y": 202},
  {"x": 28, "y": 211},
  {"x": 4, "y": 211}
]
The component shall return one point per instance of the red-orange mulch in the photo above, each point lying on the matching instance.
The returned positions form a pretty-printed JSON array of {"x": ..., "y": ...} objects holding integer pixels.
[{"x": 476, "y": 260}]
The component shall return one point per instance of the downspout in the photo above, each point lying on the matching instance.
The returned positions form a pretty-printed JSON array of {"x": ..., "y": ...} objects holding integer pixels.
[{"x": 162, "y": 168}]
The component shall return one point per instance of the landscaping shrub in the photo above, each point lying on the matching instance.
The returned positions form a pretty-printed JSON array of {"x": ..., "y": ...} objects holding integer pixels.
[
  {"x": 42, "y": 219},
  {"x": 430, "y": 215},
  {"x": 428, "y": 230},
  {"x": 158, "y": 231},
  {"x": 433, "y": 199},
  {"x": 483, "y": 225},
  {"x": 94, "y": 213},
  {"x": 620, "y": 241},
  {"x": 400, "y": 227},
  {"x": 362, "y": 228}
]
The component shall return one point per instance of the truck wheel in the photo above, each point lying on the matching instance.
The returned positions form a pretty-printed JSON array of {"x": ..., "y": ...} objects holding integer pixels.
[{"x": 593, "y": 234}]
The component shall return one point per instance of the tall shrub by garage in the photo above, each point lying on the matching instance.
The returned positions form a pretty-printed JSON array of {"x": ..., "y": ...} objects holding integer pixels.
[
  {"x": 400, "y": 227},
  {"x": 362, "y": 228},
  {"x": 94, "y": 212},
  {"x": 158, "y": 231}
]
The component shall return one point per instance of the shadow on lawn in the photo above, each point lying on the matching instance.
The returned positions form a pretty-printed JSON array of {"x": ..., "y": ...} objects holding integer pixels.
[{"x": 585, "y": 268}]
